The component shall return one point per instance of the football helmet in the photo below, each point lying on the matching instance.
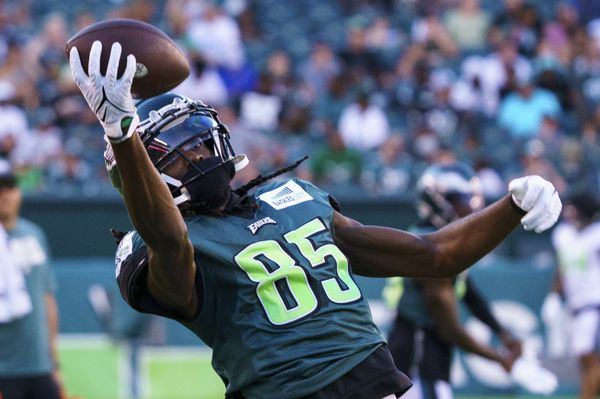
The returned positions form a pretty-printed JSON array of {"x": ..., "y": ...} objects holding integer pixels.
[
  {"x": 171, "y": 126},
  {"x": 448, "y": 192}
]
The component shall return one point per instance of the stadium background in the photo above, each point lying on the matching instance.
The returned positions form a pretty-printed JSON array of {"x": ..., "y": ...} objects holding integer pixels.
[{"x": 443, "y": 79}]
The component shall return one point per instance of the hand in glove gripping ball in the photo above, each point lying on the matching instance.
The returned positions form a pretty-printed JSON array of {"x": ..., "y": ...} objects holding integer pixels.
[
  {"x": 539, "y": 199},
  {"x": 110, "y": 98}
]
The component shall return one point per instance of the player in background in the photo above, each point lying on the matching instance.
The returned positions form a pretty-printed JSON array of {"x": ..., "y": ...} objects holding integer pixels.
[
  {"x": 576, "y": 241},
  {"x": 28, "y": 311},
  {"x": 427, "y": 327},
  {"x": 263, "y": 274}
]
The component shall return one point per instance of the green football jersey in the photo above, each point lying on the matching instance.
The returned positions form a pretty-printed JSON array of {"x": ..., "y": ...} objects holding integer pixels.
[
  {"x": 280, "y": 308},
  {"x": 24, "y": 342}
]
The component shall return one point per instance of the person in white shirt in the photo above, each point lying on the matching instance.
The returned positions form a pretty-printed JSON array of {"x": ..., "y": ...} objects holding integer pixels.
[
  {"x": 576, "y": 241},
  {"x": 363, "y": 126}
]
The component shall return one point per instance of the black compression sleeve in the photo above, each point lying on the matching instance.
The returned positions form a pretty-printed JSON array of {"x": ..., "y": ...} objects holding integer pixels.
[{"x": 479, "y": 306}]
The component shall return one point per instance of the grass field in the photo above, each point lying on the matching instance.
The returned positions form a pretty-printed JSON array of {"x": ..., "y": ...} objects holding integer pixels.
[{"x": 94, "y": 367}]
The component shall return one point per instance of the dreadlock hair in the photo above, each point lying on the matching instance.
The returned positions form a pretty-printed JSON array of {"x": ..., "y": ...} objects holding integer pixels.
[
  {"x": 260, "y": 179},
  {"x": 191, "y": 209},
  {"x": 118, "y": 235}
]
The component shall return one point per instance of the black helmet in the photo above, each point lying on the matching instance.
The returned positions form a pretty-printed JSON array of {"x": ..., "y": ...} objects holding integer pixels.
[
  {"x": 448, "y": 192},
  {"x": 171, "y": 125}
]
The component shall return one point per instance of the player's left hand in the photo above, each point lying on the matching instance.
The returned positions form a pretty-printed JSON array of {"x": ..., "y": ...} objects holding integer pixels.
[
  {"x": 110, "y": 98},
  {"x": 511, "y": 343},
  {"x": 539, "y": 199}
]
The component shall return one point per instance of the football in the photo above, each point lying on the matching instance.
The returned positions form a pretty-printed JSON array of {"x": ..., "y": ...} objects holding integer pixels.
[{"x": 161, "y": 65}]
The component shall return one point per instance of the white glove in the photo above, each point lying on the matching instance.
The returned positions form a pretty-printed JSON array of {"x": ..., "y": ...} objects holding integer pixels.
[
  {"x": 529, "y": 374},
  {"x": 539, "y": 199},
  {"x": 110, "y": 98}
]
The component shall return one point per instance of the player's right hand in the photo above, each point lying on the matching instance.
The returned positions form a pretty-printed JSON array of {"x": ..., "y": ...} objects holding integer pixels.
[
  {"x": 110, "y": 98},
  {"x": 539, "y": 199}
]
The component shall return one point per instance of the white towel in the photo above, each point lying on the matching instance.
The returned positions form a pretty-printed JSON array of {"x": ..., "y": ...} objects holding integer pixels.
[{"x": 14, "y": 298}]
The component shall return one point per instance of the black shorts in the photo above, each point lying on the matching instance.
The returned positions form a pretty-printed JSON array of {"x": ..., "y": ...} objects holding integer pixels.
[
  {"x": 31, "y": 387},
  {"x": 374, "y": 378},
  {"x": 420, "y": 352}
]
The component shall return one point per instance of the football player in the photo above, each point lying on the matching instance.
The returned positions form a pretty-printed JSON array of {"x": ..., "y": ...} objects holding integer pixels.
[
  {"x": 263, "y": 274},
  {"x": 427, "y": 325},
  {"x": 28, "y": 310},
  {"x": 576, "y": 241}
]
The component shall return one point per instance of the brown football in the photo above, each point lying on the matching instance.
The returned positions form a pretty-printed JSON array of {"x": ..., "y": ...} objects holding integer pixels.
[{"x": 161, "y": 65}]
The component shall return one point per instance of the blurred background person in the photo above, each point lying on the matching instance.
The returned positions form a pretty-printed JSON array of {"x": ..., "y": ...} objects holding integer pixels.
[
  {"x": 28, "y": 311},
  {"x": 576, "y": 241},
  {"x": 363, "y": 125},
  {"x": 427, "y": 327}
]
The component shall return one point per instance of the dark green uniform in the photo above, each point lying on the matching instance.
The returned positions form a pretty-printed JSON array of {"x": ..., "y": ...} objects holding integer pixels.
[
  {"x": 414, "y": 341},
  {"x": 279, "y": 306},
  {"x": 25, "y": 344},
  {"x": 412, "y": 305}
]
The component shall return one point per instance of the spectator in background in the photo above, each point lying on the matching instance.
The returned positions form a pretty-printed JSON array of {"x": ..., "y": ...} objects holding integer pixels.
[
  {"x": 336, "y": 165},
  {"x": 363, "y": 126},
  {"x": 260, "y": 109},
  {"x": 72, "y": 172},
  {"x": 382, "y": 36},
  {"x": 320, "y": 68},
  {"x": 265, "y": 150},
  {"x": 468, "y": 25},
  {"x": 358, "y": 58},
  {"x": 204, "y": 81},
  {"x": 576, "y": 241},
  {"x": 50, "y": 39},
  {"x": 533, "y": 160},
  {"x": 331, "y": 104},
  {"x": 528, "y": 31},
  {"x": 425, "y": 144},
  {"x": 142, "y": 10},
  {"x": 389, "y": 171},
  {"x": 223, "y": 47},
  {"x": 485, "y": 77},
  {"x": 14, "y": 69},
  {"x": 28, "y": 311},
  {"x": 521, "y": 113},
  {"x": 42, "y": 146},
  {"x": 559, "y": 32},
  {"x": 279, "y": 68},
  {"x": 588, "y": 9},
  {"x": 14, "y": 127},
  {"x": 492, "y": 183},
  {"x": 520, "y": 22},
  {"x": 429, "y": 32},
  {"x": 505, "y": 21}
]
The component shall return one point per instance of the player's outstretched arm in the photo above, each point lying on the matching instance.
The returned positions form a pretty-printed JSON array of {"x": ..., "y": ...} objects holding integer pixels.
[
  {"x": 384, "y": 252},
  {"x": 149, "y": 202},
  {"x": 442, "y": 304}
]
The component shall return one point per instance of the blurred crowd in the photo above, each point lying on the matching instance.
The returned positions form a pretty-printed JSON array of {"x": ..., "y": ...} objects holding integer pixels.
[{"x": 373, "y": 90}]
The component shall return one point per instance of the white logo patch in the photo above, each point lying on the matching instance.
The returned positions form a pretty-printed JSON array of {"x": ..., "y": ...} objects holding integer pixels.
[
  {"x": 288, "y": 195},
  {"x": 254, "y": 227},
  {"x": 123, "y": 251}
]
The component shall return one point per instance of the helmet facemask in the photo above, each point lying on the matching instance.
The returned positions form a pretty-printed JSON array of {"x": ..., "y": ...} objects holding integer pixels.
[{"x": 174, "y": 133}]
